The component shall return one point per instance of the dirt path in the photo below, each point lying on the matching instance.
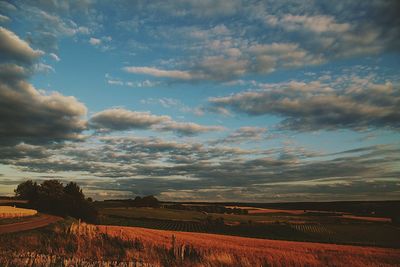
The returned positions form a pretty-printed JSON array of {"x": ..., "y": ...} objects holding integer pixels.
[{"x": 32, "y": 223}]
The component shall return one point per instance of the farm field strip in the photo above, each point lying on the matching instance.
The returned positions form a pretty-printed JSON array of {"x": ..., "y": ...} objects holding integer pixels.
[
  {"x": 308, "y": 254},
  {"x": 12, "y": 212}
]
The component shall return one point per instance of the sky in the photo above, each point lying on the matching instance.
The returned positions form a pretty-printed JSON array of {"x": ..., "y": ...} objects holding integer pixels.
[{"x": 251, "y": 101}]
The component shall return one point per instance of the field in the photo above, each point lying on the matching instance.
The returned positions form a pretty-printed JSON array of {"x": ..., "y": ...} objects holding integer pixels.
[
  {"x": 71, "y": 243},
  {"x": 239, "y": 251},
  {"x": 12, "y": 212},
  {"x": 172, "y": 235},
  {"x": 317, "y": 227}
]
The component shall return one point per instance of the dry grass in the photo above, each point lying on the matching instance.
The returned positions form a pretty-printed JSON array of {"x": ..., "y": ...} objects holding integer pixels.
[
  {"x": 13, "y": 212},
  {"x": 80, "y": 244},
  {"x": 220, "y": 250}
]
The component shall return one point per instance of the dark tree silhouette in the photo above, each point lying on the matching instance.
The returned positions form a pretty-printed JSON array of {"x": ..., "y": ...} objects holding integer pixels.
[
  {"x": 27, "y": 190},
  {"x": 53, "y": 197},
  {"x": 74, "y": 190}
]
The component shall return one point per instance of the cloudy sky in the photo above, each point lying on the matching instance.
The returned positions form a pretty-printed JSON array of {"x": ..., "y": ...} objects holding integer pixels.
[{"x": 219, "y": 100}]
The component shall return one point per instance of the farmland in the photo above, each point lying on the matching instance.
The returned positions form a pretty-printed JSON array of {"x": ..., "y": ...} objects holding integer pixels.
[
  {"x": 69, "y": 243},
  {"x": 296, "y": 227},
  {"x": 187, "y": 235},
  {"x": 254, "y": 252},
  {"x": 12, "y": 212}
]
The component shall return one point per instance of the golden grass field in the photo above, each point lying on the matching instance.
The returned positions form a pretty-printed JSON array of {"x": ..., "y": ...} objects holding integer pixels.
[
  {"x": 221, "y": 250},
  {"x": 13, "y": 212}
]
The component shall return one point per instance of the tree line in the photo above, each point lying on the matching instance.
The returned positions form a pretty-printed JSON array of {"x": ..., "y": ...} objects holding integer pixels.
[{"x": 53, "y": 197}]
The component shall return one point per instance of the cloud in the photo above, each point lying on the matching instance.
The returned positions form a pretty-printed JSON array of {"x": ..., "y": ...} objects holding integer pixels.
[
  {"x": 340, "y": 35},
  {"x": 191, "y": 9},
  {"x": 23, "y": 150},
  {"x": 119, "y": 119},
  {"x": 103, "y": 43},
  {"x": 134, "y": 84},
  {"x": 220, "y": 50},
  {"x": 15, "y": 49},
  {"x": 43, "y": 68},
  {"x": 7, "y": 6},
  {"x": 269, "y": 57},
  {"x": 48, "y": 22},
  {"x": 318, "y": 24},
  {"x": 122, "y": 119},
  {"x": 188, "y": 128},
  {"x": 27, "y": 114},
  {"x": 224, "y": 68},
  {"x": 244, "y": 134},
  {"x": 173, "y": 103},
  {"x": 268, "y": 36},
  {"x": 115, "y": 82},
  {"x": 94, "y": 41},
  {"x": 310, "y": 106},
  {"x": 55, "y": 57},
  {"x": 176, "y": 74},
  {"x": 4, "y": 19},
  {"x": 221, "y": 68},
  {"x": 165, "y": 168},
  {"x": 228, "y": 59}
]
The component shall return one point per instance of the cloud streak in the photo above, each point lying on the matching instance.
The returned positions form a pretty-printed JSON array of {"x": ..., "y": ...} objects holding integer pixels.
[
  {"x": 119, "y": 119},
  {"x": 176, "y": 74},
  {"x": 232, "y": 173},
  {"x": 310, "y": 106}
]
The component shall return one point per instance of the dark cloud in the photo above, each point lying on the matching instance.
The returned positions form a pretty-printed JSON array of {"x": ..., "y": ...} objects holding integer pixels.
[
  {"x": 311, "y": 106},
  {"x": 188, "y": 128},
  {"x": 122, "y": 119},
  {"x": 183, "y": 170},
  {"x": 22, "y": 150},
  {"x": 14, "y": 49},
  {"x": 175, "y": 170},
  {"x": 26, "y": 114}
]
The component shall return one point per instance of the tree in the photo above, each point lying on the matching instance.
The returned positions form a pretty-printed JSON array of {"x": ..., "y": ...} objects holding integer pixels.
[
  {"x": 53, "y": 197},
  {"x": 74, "y": 190},
  {"x": 147, "y": 201},
  {"x": 27, "y": 190}
]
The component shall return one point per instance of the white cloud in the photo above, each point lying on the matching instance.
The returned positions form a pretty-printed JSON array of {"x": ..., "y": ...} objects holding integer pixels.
[
  {"x": 54, "y": 56},
  {"x": 176, "y": 74},
  {"x": 115, "y": 82},
  {"x": 94, "y": 41},
  {"x": 318, "y": 24},
  {"x": 4, "y": 19}
]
